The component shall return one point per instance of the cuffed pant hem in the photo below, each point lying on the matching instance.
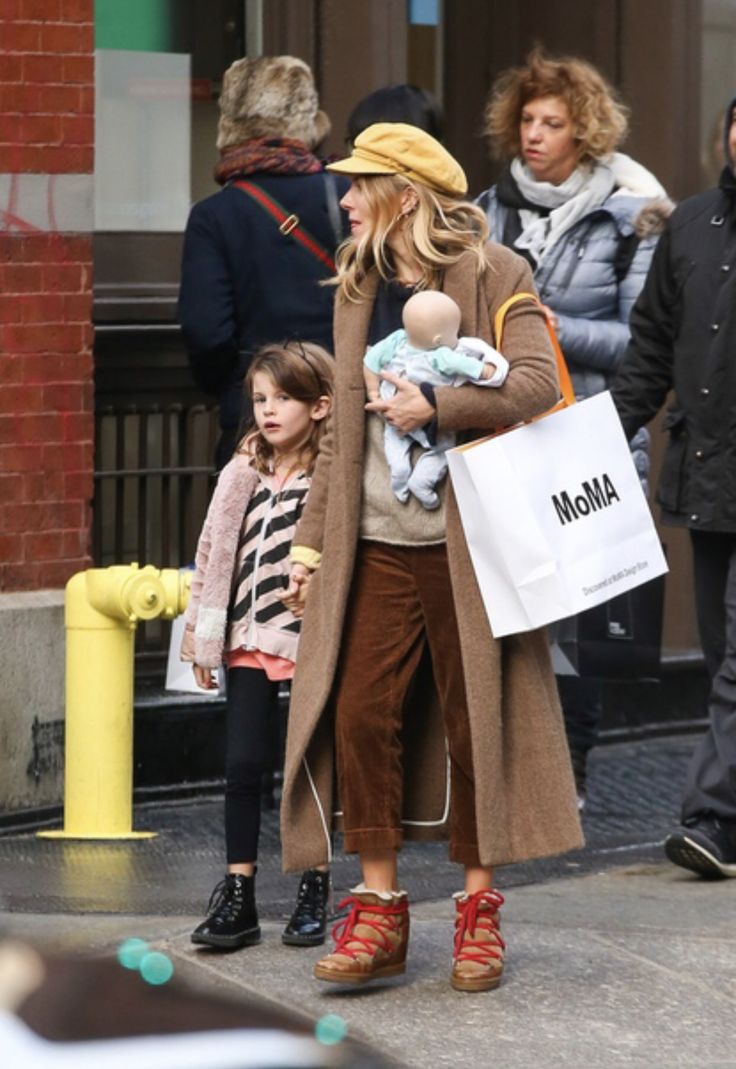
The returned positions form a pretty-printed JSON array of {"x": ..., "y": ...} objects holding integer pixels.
[
  {"x": 364, "y": 839},
  {"x": 465, "y": 854}
]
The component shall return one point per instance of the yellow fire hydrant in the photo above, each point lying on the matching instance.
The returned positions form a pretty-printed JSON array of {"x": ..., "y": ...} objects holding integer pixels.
[{"x": 102, "y": 608}]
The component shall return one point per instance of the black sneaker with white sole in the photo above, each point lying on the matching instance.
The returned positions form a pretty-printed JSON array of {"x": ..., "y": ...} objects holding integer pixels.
[{"x": 704, "y": 844}]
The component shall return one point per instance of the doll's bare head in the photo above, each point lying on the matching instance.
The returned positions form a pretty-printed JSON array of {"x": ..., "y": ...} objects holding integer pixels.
[{"x": 431, "y": 319}]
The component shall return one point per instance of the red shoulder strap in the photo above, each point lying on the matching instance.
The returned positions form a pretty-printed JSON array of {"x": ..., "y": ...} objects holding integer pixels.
[{"x": 288, "y": 223}]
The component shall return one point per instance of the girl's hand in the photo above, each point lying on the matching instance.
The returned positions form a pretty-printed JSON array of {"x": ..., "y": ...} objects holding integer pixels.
[
  {"x": 407, "y": 410},
  {"x": 295, "y": 594},
  {"x": 205, "y": 677},
  {"x": 551, "y": 316}
]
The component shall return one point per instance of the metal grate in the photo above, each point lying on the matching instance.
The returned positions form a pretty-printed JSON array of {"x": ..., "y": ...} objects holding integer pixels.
[{"x": 153, "y": 481}]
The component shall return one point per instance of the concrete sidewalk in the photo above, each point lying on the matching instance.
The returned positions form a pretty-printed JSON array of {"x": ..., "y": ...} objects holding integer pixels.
[
  {"x": 633, "y": 966},
  {"x": 615, "y": 957}
]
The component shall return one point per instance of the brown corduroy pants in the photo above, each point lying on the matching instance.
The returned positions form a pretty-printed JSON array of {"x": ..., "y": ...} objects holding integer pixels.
[{"x": 400, "y": 599}]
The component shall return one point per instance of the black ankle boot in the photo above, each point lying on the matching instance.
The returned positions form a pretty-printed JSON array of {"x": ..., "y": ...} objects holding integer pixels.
[
  {"x": 308, "y": 924},
  {"x": 232, "y": 919}
]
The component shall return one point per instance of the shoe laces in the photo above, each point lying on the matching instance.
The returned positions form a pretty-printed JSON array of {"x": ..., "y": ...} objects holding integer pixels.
[
  {"x": 225, "y": 900},
  {"x": 479, "y": 913},
  {"x": 383, "y": 926},
  {"x": 309, "y": 899},
  {"x": 712, "y": 826}
]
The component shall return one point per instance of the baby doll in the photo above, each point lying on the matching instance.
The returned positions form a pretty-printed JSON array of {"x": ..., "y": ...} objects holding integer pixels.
[{"x": 427, "y": 350}]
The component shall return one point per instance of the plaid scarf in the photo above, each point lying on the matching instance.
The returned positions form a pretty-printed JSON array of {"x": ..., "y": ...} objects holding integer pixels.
[{"x": 274, "y": 155}]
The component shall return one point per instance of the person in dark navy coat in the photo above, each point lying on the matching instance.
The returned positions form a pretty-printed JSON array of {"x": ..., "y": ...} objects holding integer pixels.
[{"x": 247, "y": 277}]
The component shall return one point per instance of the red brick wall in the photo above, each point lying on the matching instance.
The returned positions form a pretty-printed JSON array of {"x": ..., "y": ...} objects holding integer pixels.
[{"x": 46, "y": 393}]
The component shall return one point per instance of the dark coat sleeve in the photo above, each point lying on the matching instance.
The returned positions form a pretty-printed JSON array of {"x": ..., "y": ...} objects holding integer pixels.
[
  {"x": 645, "y": 375},
  {"x": 207, "y": 306}
]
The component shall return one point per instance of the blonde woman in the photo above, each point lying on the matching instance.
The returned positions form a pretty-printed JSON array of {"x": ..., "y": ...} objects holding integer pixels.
[
  {"x": 437, "y": 729},
  {"x": 587, "y": 219}
]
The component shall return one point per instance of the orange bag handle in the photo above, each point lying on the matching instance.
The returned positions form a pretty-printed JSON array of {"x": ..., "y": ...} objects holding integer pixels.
[{"x": 566, "y": 387}]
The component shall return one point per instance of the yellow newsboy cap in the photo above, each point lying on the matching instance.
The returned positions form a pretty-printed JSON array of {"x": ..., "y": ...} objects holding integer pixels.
[{"x": 397, "y": 148}]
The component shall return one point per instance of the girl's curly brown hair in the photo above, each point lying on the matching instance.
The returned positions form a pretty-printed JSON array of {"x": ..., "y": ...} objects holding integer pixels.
[{"x": 599, "y": 118}]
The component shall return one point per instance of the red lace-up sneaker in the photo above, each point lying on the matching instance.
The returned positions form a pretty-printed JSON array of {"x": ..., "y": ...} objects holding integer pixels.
[
  {"x": 371, "y": 941},
  {"x": 479, "y": 948}
]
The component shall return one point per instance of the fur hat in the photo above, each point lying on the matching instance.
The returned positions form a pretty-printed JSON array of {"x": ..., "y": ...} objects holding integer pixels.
[{"x": 270, "y": 96}]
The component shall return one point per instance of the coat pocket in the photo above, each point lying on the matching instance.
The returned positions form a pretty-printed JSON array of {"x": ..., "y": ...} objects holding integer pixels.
[{"x": 671, "y": 488}]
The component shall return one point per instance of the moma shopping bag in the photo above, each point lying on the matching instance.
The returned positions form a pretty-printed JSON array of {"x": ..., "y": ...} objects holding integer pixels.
[
  {"x": 621, "y": 639},
  {"x": 554, "y": 516}
]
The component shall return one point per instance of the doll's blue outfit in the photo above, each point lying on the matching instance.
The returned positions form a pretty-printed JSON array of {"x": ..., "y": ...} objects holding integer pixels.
[{"x": 442, "y": 366}]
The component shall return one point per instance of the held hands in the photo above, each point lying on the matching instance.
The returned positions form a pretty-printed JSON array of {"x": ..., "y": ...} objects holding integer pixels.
[
  {"x": 407, "y": 409},
  {"x": 551, "y": 316},
  {"x": 295, "y": 595}
]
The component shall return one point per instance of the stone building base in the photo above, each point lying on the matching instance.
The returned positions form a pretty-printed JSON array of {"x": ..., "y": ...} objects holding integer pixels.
[{"x": 31, "y": 699}]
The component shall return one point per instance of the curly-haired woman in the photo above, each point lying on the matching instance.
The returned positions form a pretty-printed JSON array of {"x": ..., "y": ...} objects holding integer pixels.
[{"x": 587, "y": 218}]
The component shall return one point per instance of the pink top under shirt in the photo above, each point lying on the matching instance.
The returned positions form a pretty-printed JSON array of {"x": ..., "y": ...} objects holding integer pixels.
[{"x": 276, "y": 668}]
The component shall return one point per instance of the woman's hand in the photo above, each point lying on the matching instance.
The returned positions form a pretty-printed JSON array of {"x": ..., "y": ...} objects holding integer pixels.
[
  {"x": 551, "y": 316},
  {"x": 295, "y": 595},
  {"x": 407, "y": 410},
  {"x": 204, "y": 677}
]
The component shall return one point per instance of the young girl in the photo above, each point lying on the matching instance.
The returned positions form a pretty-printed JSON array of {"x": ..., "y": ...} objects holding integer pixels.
[{"x": 236, "y": 617}]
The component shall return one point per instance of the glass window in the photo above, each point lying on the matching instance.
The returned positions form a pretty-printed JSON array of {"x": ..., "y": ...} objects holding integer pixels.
[
  {"x": 424, "y": 40},
  {"x": 142, "y": 147},
  {"x": 159, "y": 71}
]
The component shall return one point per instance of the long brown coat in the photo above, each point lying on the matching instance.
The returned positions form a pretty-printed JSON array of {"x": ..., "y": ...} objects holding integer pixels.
[{"x": 525, "y": 799}]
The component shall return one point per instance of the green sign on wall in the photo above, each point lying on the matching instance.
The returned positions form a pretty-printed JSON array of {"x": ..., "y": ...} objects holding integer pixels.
[{"x": 135, "y": 25}]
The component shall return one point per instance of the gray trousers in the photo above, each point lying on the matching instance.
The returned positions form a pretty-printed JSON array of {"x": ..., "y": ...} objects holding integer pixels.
[
  {"x": 428, "y": 470},
  {"x": 711, "y": 780}
]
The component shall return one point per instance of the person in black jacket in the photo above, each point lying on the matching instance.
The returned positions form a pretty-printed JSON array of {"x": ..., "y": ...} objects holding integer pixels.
[
  {"x": 683, "y": 337},
  {"x": 256, "y": 251}
]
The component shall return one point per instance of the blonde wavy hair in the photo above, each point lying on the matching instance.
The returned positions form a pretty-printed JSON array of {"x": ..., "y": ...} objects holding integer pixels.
[
  {"x": 437, "y": 233},
  {"x": 599, "y": 118}
]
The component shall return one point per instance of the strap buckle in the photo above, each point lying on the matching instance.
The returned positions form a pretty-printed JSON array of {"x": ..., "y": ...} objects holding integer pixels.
[{"x": 291, "y": 222}]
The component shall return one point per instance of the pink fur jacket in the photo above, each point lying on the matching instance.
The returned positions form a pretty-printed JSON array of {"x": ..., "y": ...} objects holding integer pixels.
[{"x": 217, "y": 550}]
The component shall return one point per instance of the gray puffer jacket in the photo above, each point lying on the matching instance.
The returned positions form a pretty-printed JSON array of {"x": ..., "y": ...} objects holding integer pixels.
[{"x": 592, "y": 276}]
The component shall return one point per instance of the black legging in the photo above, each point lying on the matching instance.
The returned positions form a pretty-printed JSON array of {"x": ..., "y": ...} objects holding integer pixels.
[{"x": 251, "y": 733}]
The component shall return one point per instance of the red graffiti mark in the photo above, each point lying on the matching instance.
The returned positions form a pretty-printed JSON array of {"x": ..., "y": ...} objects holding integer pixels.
[
  {"x": 13, "y": 193},
  {"x": 50, "y": 206},
  {"x": 9, "y": 219},
  {"x": 13, "y": 223}
]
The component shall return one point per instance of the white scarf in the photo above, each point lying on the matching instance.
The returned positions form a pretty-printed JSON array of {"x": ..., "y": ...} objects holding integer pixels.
[{"x": 583, "y": 191}]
